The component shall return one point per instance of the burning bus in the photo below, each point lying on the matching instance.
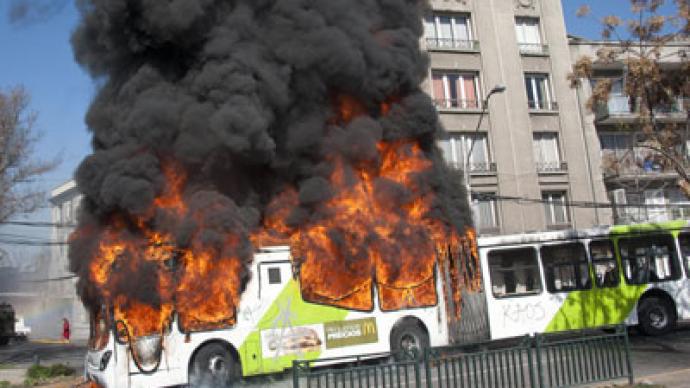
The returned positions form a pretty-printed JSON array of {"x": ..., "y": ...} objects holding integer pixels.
[
  {"x": 265, "y": 184},
  {"x": 283, "y": 316}
]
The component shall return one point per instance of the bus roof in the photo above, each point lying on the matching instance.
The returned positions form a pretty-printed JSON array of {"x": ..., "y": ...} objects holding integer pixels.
[{"x": 573, "y": 234}]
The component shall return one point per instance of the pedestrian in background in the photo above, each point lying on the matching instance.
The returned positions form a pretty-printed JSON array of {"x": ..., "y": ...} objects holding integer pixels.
[{"x": 65, "y": 330}]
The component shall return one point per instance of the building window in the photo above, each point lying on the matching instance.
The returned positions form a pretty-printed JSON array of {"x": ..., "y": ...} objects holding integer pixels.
[
  {"x": 546, "y": 153},
  {"x": 529, "y": 36},
  {"x": 555, "y": 205},
  {"x": 514, "y": 272},
  {"x": 649, "y": 259},
  {"x": 67, "y": 212},
  {"x": 456, "y": 90},
  {"x": 484, "y": 211},
  {"x": 448, "y": 32},
  {"x": 604, "y": 263},
  {"x": 538, "y": 92},
  {"x": 566, "y": 267},
  {"x": 456, "y": 147}
]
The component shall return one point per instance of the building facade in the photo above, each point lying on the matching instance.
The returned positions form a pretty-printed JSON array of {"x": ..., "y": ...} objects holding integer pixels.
[
  {"x": 532, "y": 157},
  {"x": 641, "y": 185},
  {"x": 61, "y": 298}
]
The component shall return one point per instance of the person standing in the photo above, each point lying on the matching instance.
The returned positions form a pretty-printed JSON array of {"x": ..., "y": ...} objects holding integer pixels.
[{"x": 65, "y": 330}]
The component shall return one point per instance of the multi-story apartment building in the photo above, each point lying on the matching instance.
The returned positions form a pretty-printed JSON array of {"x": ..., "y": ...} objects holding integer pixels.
[
  {"x": 640, "y": 185},
  {"x": 60, "y": 293},
  {"x": 531, "y": 151}
]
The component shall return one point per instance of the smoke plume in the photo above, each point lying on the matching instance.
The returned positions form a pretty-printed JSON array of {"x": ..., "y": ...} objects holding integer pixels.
[
  {"x": 227, "y": 105},
  {"x": 34, "y": 11}
]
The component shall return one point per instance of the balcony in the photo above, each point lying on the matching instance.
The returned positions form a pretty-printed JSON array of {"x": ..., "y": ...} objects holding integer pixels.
[
  {"x": 457, "y": 104},
  {"x": 542, "y": 106},
  {"x": 451, "y": 44},
  {"x": 534, "y": 49},
  {"x": 481, "y": 168},
  {"x": 637, "y": 164},
  {"x": 554, "y": 167},
  {"x": 621, "y": 107}
]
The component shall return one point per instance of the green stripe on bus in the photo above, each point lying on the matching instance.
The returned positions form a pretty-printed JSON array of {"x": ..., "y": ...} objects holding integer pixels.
[
  {"x": 287, "y": 310},
  {"x": 597, "y": 307}
]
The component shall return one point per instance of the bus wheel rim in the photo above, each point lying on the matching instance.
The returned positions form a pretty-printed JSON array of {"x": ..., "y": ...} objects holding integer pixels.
[
  {"x": 216, "y": 365},
  {"x": 658, "y": 318},
  {"x": 409, "y": 342}
]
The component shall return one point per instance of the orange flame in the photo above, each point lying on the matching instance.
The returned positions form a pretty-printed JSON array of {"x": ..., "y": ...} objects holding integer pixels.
[{"x": 375, "y": 232}]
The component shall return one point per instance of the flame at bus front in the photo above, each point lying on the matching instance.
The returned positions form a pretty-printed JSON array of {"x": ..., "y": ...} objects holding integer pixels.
[{"x": 144, "y": 274}]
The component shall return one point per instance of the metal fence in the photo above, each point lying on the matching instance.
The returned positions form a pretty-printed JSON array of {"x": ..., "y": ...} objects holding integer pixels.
[{"x": 540, "y": 361}]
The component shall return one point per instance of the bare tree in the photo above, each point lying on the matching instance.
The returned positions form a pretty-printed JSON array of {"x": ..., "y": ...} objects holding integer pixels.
[
  {"x": 645, "y": 45},
  {"x": 18, "y": 166}
]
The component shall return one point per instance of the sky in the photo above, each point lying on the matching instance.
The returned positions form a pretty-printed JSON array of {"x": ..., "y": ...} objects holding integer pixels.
[{"x": 36, "y": 53}]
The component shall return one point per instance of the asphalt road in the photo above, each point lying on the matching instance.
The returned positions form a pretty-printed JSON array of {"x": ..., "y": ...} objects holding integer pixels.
[{"x": 651, "y": 356}]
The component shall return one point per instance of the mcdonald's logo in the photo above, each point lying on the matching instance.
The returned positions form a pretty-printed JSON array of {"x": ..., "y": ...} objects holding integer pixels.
[{"x": 348, "y": 333}]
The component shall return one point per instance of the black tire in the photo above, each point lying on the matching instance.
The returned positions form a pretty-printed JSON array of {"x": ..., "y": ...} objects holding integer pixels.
[
  {"x": 409, "y": 341},
  {"x": 4, "y": 341},
  {"x": 657, "y": 316},
  {"x": 214, "y": 366}
]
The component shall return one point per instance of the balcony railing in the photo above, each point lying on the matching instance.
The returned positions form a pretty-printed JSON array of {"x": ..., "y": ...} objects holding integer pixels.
[
  {"x": 552, "y": 167},
  {"x": 534, "y": 49},
  {"x": 636, "y": 162},
  {"x": 452, "y": 44},
  {"x": 542, "y": 106},
  {"x": 622, "y": 106},
  {"x": 457, "y": 104},
  {"x": 477, "y": 168},
  {"x": 631, "y": 214}
]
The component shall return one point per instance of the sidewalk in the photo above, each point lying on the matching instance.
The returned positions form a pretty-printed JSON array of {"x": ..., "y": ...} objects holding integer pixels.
[{"x": 679, "y": 378}]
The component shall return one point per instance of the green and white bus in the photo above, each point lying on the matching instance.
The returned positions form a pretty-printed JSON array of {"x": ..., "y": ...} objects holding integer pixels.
[
  {"x": 567, "y": 280},
  {"x": 275, "y": 326},
  {"x": 529, "y": 283}
]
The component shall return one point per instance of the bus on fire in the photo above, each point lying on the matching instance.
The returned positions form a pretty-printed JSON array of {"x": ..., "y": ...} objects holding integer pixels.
[
  {"x": 502, "y": 287},
  {"x": 282, "y": 318}
]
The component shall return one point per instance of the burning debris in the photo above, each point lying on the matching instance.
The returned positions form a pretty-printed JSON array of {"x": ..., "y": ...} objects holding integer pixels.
[{"x": 220, "y": 126}]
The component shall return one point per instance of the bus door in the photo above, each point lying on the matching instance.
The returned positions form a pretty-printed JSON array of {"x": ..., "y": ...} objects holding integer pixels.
[
  {"x": 276, "y": 326},
  {"x": 514, "y": 292},
  {"x": 684, "y": 297}
]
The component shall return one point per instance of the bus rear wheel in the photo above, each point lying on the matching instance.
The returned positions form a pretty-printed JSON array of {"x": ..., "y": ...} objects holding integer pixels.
[
  {"x": 408, "y": 341},
  {"x": 213, "y": 366},
  {"x": 656, "y": 316}
]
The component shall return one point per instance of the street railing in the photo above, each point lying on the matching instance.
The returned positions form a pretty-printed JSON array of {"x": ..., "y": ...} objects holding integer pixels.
[{"x": 539, "y": 361}]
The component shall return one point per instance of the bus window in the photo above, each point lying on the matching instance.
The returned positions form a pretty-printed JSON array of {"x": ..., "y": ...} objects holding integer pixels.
[
  {"x": 604, "y": 263},
  {"x": 565, "y": 267},
  {"x": 514, "y": 272},
  {"x": 274, "y": 276},
  {"x": 649, "y": 259},
  {"x": 684, "y": 240}
]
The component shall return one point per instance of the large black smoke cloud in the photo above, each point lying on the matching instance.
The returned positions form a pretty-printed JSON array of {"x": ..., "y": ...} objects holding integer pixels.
[{"x": 240, "y": 94}]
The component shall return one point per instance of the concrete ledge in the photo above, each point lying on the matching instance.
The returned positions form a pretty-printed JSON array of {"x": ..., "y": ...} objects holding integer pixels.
[{"x": 15, "y": 376}]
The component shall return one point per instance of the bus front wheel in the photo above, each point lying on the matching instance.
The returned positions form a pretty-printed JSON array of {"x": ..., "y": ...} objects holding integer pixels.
[
  {"x": 656, "y": 316},
  {"x": 408, "y": 341},
  {"x": 213, "y": 366}
]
